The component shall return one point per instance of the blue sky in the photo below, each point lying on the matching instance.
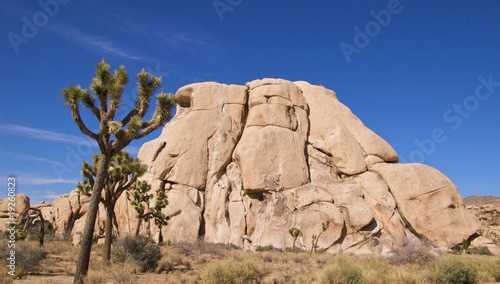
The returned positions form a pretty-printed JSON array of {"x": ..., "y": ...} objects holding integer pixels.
[{"x": 424, "y": 75}]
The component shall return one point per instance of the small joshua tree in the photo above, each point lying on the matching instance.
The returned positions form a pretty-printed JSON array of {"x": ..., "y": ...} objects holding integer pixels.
[
  {"x": 122, "y": 175},
  {"x": 315, "y": 239},
  {"x": 27, "y": 218},
  {"x": 140, "y": 197},
  {"x": 295, "y": 233}
]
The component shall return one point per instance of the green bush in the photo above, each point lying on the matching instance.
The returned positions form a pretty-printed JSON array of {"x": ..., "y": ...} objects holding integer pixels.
[
  {"x": 141, "y": 250},
  {"x": 229, "y": 271},
  {"x": 344, "y": 272},
  {"x": 452, "y": 270}
]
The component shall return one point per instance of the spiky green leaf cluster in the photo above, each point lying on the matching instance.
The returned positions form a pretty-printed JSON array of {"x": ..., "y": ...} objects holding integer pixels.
[
  {"x": 325, "y": 225},
  {"x": 73, "y": 95},
  {"x": 122, "y": 173},
  {"x": 295, "y": 232},
  {"x": 140, "y": 198},
  {"x": 103, "y": 99}
]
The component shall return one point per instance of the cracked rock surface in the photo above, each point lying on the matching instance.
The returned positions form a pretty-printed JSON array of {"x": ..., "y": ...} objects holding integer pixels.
[{"x": 247, "y": 163}]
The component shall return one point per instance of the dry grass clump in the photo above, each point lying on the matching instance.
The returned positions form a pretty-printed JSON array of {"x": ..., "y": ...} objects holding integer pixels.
[
  {"x": 4, "y": 277},
  {"x": 28, "y": 256},
  {"x": 344, "y": 271},
  {"x": 492, "y": 267},
  {"x": 413, "y": 252},
  {"x": 452, "y": 269},
  {"x": 63, "y": 248},
  {"x": 118, "y": 273},
  {"x": 173, "y": 261},
  {"x": 229, "y": 271},
  {"x": 201, "y": 248}
]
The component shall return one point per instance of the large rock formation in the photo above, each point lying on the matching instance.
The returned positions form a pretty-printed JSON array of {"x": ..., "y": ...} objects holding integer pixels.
[{"x": 246, "y": 163}]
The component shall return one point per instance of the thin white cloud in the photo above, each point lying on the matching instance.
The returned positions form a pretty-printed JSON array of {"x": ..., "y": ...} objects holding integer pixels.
[
  {"x": 180, "y": 41},
  {"x": 41, "y": 134},
  {"x": 23, "y": 157},
  {"x": 91, "y": 41},
  {"x": 45, "y": 181}
]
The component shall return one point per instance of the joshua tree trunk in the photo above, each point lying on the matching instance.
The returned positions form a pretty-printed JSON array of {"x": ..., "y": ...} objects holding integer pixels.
[
  {"x": 42, "y": 228},
  {"x": 160, "y": 238},
  {"x": 82, "y": 265},
  {"x": 139, "y": 223},
  {"x": 108, "y": 237}
]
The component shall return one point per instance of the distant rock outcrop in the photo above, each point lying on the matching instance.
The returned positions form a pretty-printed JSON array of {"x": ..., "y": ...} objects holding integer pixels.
[
  {"x": 244, "y": 164},
  {"x": 21, "y": 203},
  {"x": 487, "y": 210}
]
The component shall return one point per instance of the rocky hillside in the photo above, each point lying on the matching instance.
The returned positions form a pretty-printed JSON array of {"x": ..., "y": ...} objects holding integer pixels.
[
  {"x": 482, "y": 200},
  {"x": 487, "y": 210},
  {"x": 244, "y": 164}
]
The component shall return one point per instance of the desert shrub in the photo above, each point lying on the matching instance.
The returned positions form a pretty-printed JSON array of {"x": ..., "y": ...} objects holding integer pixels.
[
  {"x": 413, "y": 252},
  {"x": 344, "y": 272},
  {"x": 270, "y": 248},
  {"x": 376, "y": 269},
  {"x": 492, "y": 267},
  {"x": 201, "y": 247},
  {"x": 96, "y": 277},
  {"x": 452, "y": 270},
  {"x": 139, "y": 249},
  {"x": 267, "y": 258},
  {"x": 4, "y": 277},
  {"x": 173, "y": 262},
  {"x": 59, "y": 247},
  {"x": 228, "y": 271},
  {"x": 28, "y": 258},
  {"x": 478, "y": 250},
  {"x": 123, "y": 273}
]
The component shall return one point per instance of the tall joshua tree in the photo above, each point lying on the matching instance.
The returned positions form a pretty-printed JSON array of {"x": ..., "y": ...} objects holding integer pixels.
[
  {"x": 122, "y": 175},
  {"x": 103, "y": 99}
]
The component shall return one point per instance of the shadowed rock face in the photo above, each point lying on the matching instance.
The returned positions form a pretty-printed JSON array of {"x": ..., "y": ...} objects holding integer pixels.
[{"x": 246, "y": 163}]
